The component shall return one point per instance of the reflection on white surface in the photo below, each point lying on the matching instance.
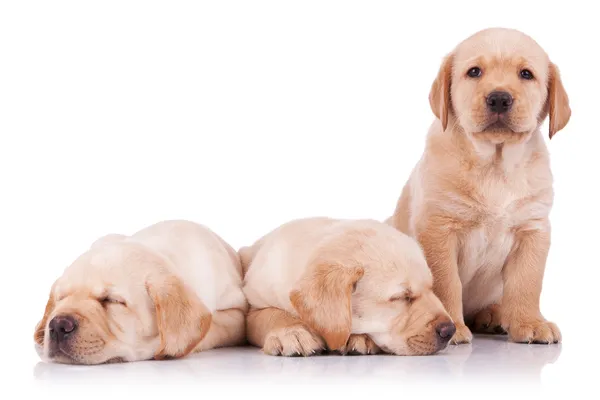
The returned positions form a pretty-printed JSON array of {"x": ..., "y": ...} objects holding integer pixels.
[{"x": 489, "y": 358}]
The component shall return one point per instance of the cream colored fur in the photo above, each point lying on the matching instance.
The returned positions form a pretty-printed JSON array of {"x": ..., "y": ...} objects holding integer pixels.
[
  {"x": 319, "y": 283},
  {"x": 168, "y": 290},
  {"x": 479, "y": 199}
]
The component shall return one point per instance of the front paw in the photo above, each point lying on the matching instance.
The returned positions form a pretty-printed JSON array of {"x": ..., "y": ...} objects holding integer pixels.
[
  {"x": 360, "y": 345},
  {"x": 462, "y": 335},
  {"x": 537, "y": 331},
  {"x": 293, "y": 341}
]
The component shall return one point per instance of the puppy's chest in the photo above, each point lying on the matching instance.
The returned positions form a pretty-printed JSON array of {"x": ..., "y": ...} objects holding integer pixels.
[
  {"x": 500, "y": 204},
  {"x": 493, "y": 213},
  {"x": 483, "y": 250}
]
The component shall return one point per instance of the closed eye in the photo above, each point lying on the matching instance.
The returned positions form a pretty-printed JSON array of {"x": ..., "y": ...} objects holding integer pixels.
[
  {"x": 106, "y": 301},
  {"x": 402, "y": 297}
]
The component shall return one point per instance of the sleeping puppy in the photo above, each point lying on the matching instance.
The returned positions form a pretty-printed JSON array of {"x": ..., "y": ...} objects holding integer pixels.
[
  {"x": 478, "y": 200},
  {"x": 349, "y": 286},
  {"x": 170, "y": 289}
]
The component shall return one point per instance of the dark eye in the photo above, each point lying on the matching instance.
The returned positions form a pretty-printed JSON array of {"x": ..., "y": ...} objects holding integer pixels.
[
  {"x": 526, "y": 74},
  {"x": 474, "y": 72},
  {"x": 106, "y": 301}
]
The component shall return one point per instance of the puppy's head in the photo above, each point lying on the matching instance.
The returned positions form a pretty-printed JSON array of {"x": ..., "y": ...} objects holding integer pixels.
[
  {"x": 499, "y": 85},
  {"x": 119, "y": 302},
  {"x": 377, "y": 283}
]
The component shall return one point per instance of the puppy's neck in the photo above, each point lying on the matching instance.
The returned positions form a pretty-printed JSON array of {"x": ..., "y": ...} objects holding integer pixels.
[{"x": 505, "y": 157}]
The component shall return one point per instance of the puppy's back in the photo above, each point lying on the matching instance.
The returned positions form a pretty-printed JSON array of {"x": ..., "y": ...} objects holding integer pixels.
[
  {"x": 200, "y": 257},
  {"x": 276, "y": 261}
]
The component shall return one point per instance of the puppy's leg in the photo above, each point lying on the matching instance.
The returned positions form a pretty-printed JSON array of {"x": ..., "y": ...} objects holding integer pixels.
[
  {"x": 488, "y": 320},
  {"x": 278, "y": 332},
  {"x": 227, "y": 328},
  {"x": 522, "y": 275},
  {"x": 440, "y": 247},
  {"x": 360, "y": 344}
]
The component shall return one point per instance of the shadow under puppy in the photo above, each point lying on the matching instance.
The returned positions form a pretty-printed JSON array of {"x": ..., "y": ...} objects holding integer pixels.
[
  {"x": 350, "y": 286},
  {"x": 478, "y": 201},
  {"x": 170, "y": 289}
]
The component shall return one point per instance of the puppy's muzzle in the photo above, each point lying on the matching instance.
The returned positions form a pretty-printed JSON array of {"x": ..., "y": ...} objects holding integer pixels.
[
  {"x": 499, "y": 102},
  {"x": 62, "y": 328}
]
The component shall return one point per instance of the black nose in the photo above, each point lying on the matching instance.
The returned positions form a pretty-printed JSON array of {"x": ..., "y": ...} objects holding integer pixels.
[
  {"x": 62, "y": 327},
  {"x": 445, "y": 331},
  {"x": 499, "y": 102}
]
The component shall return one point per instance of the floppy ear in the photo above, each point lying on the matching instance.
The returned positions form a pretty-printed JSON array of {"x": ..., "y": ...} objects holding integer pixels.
[
  {"x": 558, "y": 101},
  {"x": 323, "y": 301},
  {"x": 182, "y": 318},
  {"x": 439, "y": 96},
  {"x": 40, "y": 328}
]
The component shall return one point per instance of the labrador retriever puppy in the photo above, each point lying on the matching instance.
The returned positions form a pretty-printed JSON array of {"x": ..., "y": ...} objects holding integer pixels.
[
  {"x": 348, "y": 286},
  {"x": 170, "y": 289},
  {"x": 479, "y": 198}
]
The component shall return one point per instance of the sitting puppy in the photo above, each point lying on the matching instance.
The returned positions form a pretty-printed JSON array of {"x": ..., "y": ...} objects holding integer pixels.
[
  {"x": 349, "y": 286},
  {"x": 170, "y": 289},
  {"x": 478, "y": 200}
]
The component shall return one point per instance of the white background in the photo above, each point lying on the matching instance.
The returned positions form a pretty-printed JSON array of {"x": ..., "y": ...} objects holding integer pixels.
[{"x": 244, "y": 115}]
